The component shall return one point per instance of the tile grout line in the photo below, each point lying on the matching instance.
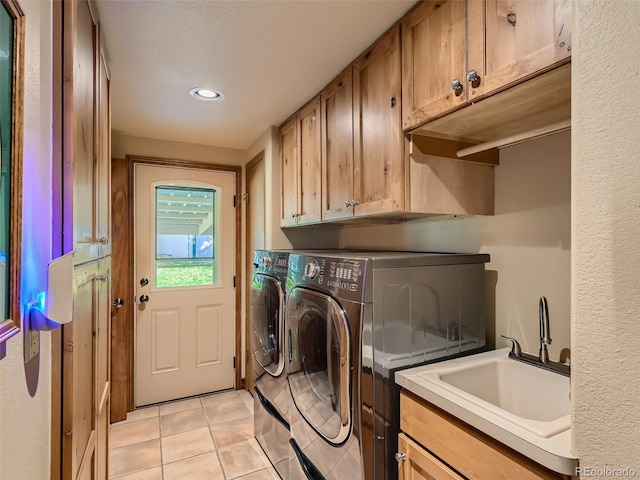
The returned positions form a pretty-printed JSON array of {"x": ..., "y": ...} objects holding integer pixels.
[{"x": 210, "y": 426}]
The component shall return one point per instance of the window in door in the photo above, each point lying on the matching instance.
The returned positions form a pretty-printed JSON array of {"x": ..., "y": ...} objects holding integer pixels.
[{"x": 186, "y": 233}]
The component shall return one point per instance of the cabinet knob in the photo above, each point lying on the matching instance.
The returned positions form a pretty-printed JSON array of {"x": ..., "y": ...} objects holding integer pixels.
[
  {"x": 294, "y": 215},
  {"x": 456, "y": 86},
  {"x": 400, "y": 457},
  {"x": 474, "y": 78},
  {"x": 511, "y": 18},
  {"x": 347, "y": 204},
  {"x": 355, "y": 203}
]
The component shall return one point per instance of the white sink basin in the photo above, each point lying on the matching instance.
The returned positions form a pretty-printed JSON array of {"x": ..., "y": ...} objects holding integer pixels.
[{"x": 527, "y": 396}]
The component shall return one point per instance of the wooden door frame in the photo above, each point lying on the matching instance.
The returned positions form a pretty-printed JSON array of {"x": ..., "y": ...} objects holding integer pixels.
[
  {"x": 126, "y": 345},
  {"x": 248, "y": 373}
]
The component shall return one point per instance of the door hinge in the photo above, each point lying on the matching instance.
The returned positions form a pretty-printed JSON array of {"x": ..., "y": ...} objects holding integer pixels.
[
  {"x": 234, "y": 282},
  {"x": 234, "y": 200},
  {"x": 234, "y": 362}
]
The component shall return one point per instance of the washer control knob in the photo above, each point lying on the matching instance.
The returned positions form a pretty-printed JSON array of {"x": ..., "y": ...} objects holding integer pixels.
[
  {"x": 266, "y": 262},
  {"x": 312, "y": 269}
]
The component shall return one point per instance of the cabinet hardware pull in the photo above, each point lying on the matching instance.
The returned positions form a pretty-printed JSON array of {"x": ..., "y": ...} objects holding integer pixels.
[
  {"x": 355, "y": 203},
  {"x": 393, "y": 102},
  {"x": 104, "y": 240},
  {"x": 474, "y": 78},
  {"x": 511, "y": 18},
  {"x": 456, "y": 86},
  {"x": 347, "y": 204},
  {"x": 400, "y": 457}
]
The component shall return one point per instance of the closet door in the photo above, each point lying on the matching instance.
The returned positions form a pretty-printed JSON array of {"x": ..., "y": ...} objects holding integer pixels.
[{"x": 85, "y": 379}]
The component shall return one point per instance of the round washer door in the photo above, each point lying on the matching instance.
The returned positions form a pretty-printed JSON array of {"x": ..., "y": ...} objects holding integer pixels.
[
  {"x": 267, "y": 316},
  {"x": 319, "y": 369}
]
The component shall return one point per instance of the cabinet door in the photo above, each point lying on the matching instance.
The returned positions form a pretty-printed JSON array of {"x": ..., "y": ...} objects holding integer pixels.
[
  {"x": 378, "y": 172},
  {"x": 289, "y": 173},
  {"x": 309, "y": 139},
  {"x": 433, "y": 58},
  {"x": 337, "y": 151},
  {"x": 511, "y": 39},
  {"x": 419, "y": 464}
]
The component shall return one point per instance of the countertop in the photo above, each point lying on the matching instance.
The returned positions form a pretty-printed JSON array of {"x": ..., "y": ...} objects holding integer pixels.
[{"x": 553, "y": 452}]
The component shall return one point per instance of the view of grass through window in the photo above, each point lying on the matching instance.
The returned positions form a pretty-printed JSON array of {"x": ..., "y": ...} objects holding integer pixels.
[
  {"x": 185, "y": 273},
  {"x": 185, "y": 219}
]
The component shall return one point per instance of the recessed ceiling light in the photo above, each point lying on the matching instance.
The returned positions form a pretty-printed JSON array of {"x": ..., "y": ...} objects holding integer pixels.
[{"x": 206, "y": 94}]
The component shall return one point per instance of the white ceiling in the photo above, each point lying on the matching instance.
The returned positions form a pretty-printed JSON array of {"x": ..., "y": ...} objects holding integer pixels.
[{"x": 268, "y": 57}]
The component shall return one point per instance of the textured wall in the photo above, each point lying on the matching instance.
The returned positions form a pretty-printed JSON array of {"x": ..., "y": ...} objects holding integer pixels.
[
  {"x": 528, "y": 239},
  {"x": 123, "y": 145},
  {"x": 25, "y": 390},
  {"x": 606, "y": 229}
]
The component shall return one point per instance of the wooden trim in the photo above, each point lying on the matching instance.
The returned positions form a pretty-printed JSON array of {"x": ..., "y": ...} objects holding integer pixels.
[
  {"x": 237, "y": 171},
  {"x": 104, "y": 397},
  {"x": 10, "y": 327},
  {"x": 169, "y": 162},
  {"x": 132, "y": 331},
  {"x": 7, "y": 330},
  {"x": 121, "y": 319},
  {"x": 239, "y": 278},
  {"x": 248, "y": 380},
  {"x": 88, "y": 454},
  {"x": 57, "y": 237}
]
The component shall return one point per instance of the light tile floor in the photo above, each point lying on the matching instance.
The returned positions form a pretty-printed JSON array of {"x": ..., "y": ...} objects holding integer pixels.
[{"x": 205, "y": 438}]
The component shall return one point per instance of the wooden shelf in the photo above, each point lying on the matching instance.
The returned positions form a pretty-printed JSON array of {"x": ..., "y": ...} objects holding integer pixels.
[{"x": 526, "y": 107}]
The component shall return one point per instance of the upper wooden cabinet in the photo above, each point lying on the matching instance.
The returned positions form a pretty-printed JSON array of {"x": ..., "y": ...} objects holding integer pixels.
[
  {"x": 289, "y": 173},
  {"x": 433, "y": 58},
  {"x": 510, "y": 40},
  {"x": 378, "y": 172},
  {"x": 456, "y": 51},
  {"x": 300, "y": 153},
  {"x": 337, "y": 154},
  {"x": 362, "y": 155}
]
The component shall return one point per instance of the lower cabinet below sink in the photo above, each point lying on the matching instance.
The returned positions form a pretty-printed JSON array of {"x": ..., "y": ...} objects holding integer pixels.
[{"x": 438, "y": 446}]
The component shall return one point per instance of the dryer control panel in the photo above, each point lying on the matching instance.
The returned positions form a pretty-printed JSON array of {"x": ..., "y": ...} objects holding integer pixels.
[
  {"x": 343, "y": 277},
  {"x": 271, "y": 262}
]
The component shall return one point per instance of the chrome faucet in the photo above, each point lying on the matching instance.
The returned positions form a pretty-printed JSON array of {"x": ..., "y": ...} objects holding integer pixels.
[
  {"x": 542, "y": 360},
  {"x": 545, "y": 339}
]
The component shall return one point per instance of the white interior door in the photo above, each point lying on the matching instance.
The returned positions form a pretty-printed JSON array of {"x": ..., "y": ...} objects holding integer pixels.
[{"x": 184, "y": 281}]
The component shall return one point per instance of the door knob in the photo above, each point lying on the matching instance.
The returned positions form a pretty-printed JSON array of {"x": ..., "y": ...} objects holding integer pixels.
[
  {"x": 117, "y": 303},
  {"x": 144, "y": 298},
  {"x": 144, "y": 281}
]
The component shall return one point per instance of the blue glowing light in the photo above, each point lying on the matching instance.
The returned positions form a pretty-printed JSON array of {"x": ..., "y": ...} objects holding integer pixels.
[{"x": 41, "y": 301}]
